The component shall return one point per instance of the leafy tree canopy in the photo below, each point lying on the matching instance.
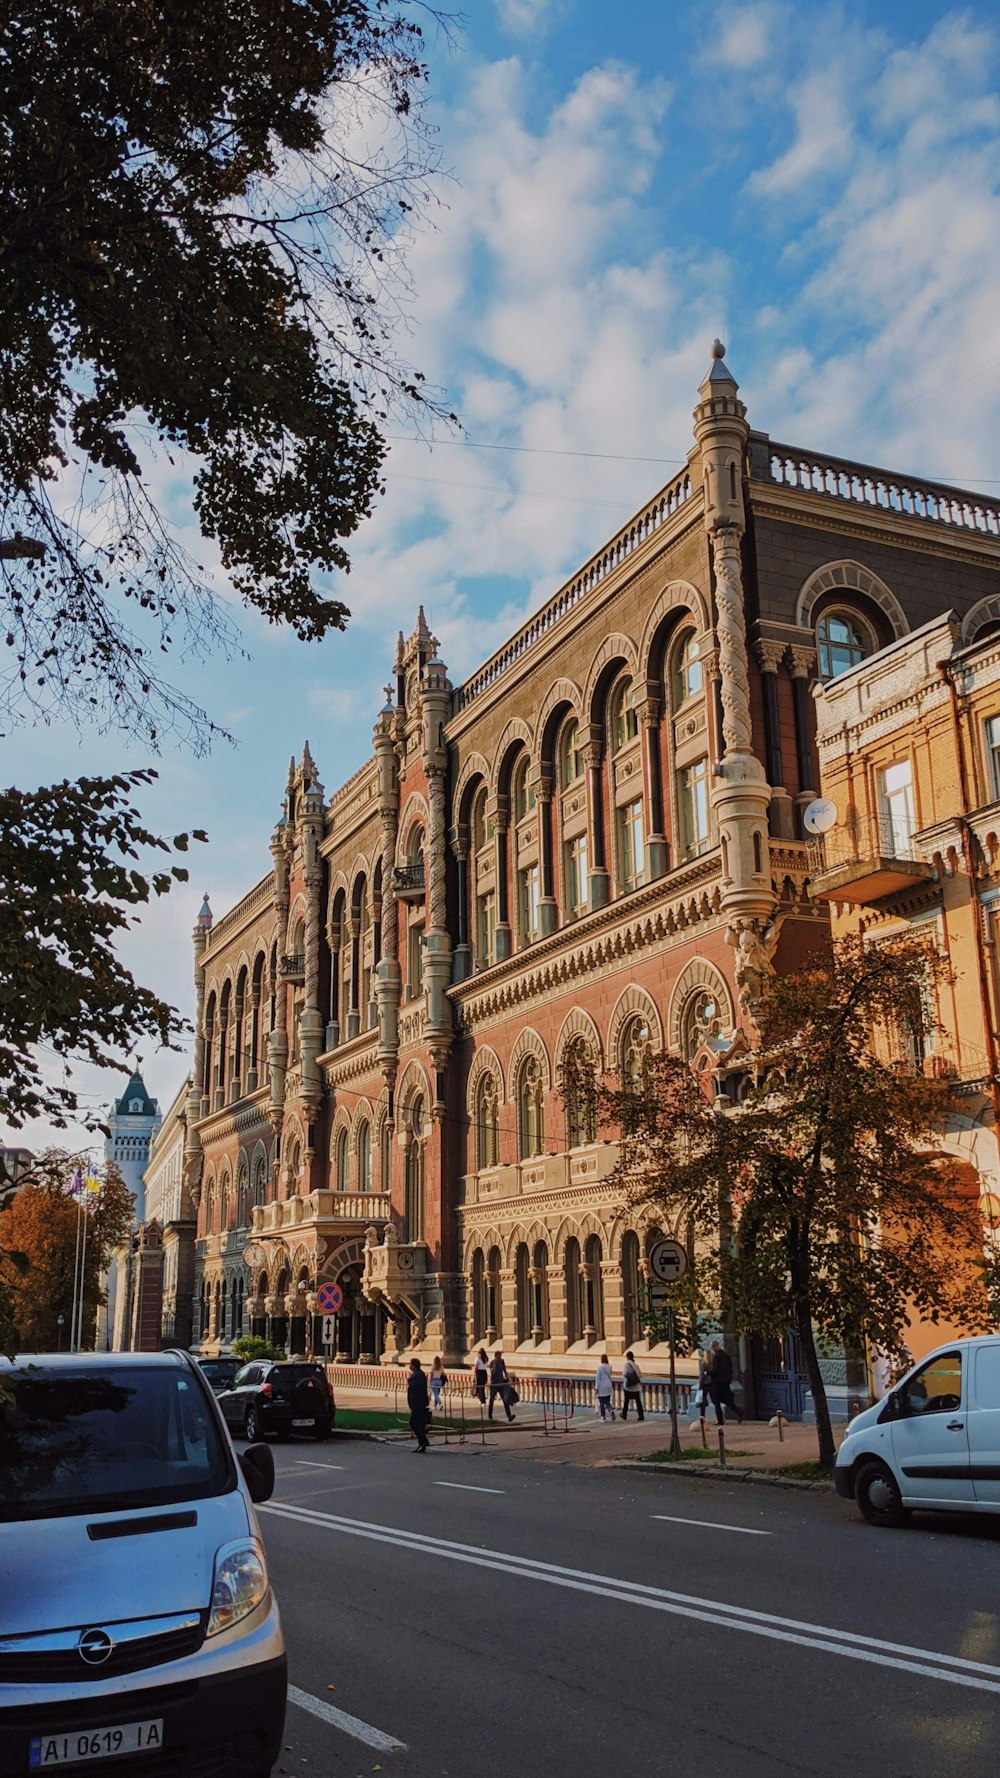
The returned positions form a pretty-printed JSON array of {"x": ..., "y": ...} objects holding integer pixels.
[
  {"x": 822, "y": 1201},
  {"x": 199, "y": 247},
  {"x": 38, "y": 1247},
  {"x": 69, "y": 855}
]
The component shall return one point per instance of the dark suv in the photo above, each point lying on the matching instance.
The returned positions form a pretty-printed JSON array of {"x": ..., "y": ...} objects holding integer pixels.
[{"x": 276, "y": 1399}]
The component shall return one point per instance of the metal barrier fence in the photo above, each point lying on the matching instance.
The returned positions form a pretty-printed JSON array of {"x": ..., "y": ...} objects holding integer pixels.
[{"x": 544, "y": 1389}]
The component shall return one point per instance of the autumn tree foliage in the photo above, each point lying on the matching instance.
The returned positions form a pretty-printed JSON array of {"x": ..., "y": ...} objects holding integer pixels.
[
  {"x": 39, "y": 1227},
  {"x": 820, "y": 1202}
]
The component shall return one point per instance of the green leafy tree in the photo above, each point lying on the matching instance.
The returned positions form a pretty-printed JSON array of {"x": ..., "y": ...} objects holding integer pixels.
[
  {"x": 820, "y": 1202},
  {"x": 40, "y": 1225},
  {"x": 204, "y": 213},
  {"x": 68, "y": 854},
  {"x": 251, "y": 1346},
  {"x": 203, "y": 217}
]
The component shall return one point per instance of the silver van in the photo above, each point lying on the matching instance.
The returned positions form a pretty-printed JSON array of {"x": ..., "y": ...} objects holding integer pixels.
[
  {"x": 934, "y": 1442},
  {"x": 138, "y": 1631}
]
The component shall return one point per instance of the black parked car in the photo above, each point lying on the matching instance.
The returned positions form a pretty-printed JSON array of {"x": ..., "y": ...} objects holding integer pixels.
[
  {"x": 220, "y": 1372},
  {"x": 269, "y": 1399}
]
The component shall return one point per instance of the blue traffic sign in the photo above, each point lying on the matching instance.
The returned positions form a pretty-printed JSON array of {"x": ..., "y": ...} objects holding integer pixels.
[{"x": 329, "y": 1298}]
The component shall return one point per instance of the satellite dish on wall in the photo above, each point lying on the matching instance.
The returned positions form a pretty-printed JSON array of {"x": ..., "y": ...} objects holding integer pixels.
[{"x": 819, "y": 815}]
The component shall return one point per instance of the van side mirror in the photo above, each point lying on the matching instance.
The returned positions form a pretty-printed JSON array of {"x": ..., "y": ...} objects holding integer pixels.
[
  {"x": 257, "y": 1464},
  {"x": 890, "y": 1410}
]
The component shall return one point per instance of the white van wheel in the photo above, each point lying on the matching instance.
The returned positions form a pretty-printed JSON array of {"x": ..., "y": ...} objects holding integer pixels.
[{"x": 877, "y": 1494}]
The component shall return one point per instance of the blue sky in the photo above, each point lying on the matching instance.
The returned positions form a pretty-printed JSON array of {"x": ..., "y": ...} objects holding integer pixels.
[{"x": 820, "y": 185}]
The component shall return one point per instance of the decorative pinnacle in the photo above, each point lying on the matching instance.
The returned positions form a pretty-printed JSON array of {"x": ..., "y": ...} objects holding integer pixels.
[
  {"x": 718, "y": 349},
  {"x": 205, "y": 916}
]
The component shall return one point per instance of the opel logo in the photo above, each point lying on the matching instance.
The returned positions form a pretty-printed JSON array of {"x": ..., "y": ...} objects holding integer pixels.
[{"x": 95, "y": 1647}]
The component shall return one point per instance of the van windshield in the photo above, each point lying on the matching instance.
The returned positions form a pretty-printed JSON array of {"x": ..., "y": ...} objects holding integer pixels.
[{"x": 101, "y": 1440}]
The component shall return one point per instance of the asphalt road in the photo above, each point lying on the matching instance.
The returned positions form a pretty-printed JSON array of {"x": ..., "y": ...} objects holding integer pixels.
[{"x": 486, "y": 1616}]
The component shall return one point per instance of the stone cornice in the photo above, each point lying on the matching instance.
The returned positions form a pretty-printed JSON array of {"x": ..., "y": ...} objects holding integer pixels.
[
  {"x": 824, "y": 513},
  {"x": 245, "y": 1114}
]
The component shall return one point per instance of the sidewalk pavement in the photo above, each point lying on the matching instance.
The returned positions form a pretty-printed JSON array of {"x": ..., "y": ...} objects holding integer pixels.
[{"x": 590, "y": 1441}]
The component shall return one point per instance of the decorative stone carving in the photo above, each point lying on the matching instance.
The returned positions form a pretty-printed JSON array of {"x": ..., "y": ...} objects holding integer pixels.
[{"x": 736, "y": 727}]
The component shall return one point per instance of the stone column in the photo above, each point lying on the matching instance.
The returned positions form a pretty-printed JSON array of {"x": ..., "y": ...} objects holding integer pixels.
[
  {"x": 311, "y": 1024},
  {"x": 558, "y": 1317},
  {"x": 387, "y": 977},
  {"x": 353, "y": 977},
  {"x": 803, "y": 664},
  {"x": 600, "y": 881},
  {"x": 613, "y": 1291},
  {"x": 548, "y": 907},
  {"x": 503, "y": 940},
  {"x": 741, "y": 794},
  {"x": 277, "y": 1043},
  {"x": 439, "y": 1023},
  {"x": 462, "y": 962},
  {"x": 657, "y": 853},
  {"x": 782, "y": 820}
]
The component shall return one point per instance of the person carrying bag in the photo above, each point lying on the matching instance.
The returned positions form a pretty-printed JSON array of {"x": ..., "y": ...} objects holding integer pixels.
[{"x": 632, "y": 1387}]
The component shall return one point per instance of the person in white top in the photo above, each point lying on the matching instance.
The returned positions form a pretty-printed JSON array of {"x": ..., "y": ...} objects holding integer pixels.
[{"x": 603, "y": 1387}]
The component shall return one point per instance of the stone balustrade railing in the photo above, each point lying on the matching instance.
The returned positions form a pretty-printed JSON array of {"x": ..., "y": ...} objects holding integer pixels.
[
  {"x": 861, "y": 485},
  {"x": 320, "y": 1206},
  {"x": 250, "y": 903},
  {"x": 628, "y": 539}
]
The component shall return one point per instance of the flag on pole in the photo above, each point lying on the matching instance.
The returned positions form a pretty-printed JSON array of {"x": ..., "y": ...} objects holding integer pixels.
[
  {"x": 75, "y": 1186},
  {"x": 93, "y": 1184}
]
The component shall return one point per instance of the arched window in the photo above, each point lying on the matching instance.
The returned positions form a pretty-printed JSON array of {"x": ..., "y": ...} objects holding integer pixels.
[
  {"x": 224, "y": 1203},
  {"x": 494, "y": 1307},
  {"x": 701, "y": 1020},
  {"x": 578, "y": 1083},
  {"x": 530, "y": 1109},
  {"x": 364, "y": 1148},
  {"x": 340, "y": 1162},
  {"x": 841, "y": 642},
  {"x": 574, "y": 1318},
  {"x": 478, "y": 1294},
  {"x": 414, "y": 1203},
  {"x": 624, "y": 715},
  {"x": 570, "y": 753},
  {"x": 259, "y": 1179},
  {"x": 636, "y": 1053},
  {"x": 487, "y": 1122},
  {"x": 242, "y": 1194},
  {"x": 522, "y": 1299},
  {"x": 525, "y": 795},
  {"x": 631, "y": 1299},
  {"x": 593, "y": 1289},
  {"x": 540, "y": 1292},
  {"x": 688, "y": 675}
]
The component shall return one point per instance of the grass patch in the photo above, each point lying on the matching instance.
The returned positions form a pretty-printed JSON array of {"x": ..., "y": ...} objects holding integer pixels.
[
  {"x": 380, "y": 1420},
  {"x": 692, "y": 1454},
  {"x": 805, "y": 1472}
]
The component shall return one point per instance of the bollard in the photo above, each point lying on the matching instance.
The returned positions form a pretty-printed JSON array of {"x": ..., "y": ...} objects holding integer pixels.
[
  {"x": 703, "y": 1423},
  {"x": 722, "y": 1445},
  {"x": 781, "y": 1427}
]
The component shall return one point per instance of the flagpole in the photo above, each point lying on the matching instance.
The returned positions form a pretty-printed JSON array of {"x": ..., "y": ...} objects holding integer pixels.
[
  {"x": 83, "y": 1257},
  {"x": 76, "y": 1267}
]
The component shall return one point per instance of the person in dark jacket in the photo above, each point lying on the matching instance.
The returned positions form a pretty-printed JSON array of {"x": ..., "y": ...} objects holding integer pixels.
[
  {"x": 419, "y": 1403},
  {"x": 499, "y": 1384},
  {"x": 720, "y": 1376}
]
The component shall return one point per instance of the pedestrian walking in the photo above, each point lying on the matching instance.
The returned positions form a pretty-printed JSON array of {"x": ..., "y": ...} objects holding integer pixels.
[
  {"x": 499, "y": 1384},
  {"x": 604, "y": 1386},
  {"x": 481, "y": 1375},
  {"x": 632, "y": 1387},
  {"x": 418, "y": 1402},
  {"x": 721, "y": 1384},
  {"x": 439, "y": 1378},
  {"x": 704, "y": 1391}
]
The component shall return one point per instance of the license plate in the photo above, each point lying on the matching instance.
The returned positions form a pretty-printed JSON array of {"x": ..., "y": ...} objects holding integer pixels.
[
  {"x": 86, "y": 1744},
  {"x": 303, "y": 1422}
]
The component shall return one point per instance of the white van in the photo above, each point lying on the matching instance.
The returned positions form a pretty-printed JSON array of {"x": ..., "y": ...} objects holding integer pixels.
[
  {"x": 138, "y": 1632},
  {"x": 934, "y": 1442}
]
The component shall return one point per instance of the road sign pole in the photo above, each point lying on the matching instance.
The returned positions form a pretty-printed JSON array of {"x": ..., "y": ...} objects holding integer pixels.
[{"x": 675, "y": 1436}]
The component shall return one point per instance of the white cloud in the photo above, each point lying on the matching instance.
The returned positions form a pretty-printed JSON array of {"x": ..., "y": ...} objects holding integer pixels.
[
  {"x": 823, "y": 140},
  {"x": 742, "y": 36},
  {"x": 526, "y": 18}
]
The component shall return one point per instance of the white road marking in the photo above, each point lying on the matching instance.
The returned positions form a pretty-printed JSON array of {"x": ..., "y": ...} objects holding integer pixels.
[
  {"x": 468, "y": 1488},
  {"x": 341, "y": 1719},
  {"x": 929, "y": 1663},
  {"x": 308, "y": 1463},
  {"x": 711, "y": 1525}
]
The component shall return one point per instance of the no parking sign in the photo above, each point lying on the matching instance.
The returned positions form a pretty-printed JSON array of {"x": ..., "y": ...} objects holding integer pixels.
[{"x": 329, "y": 1298}]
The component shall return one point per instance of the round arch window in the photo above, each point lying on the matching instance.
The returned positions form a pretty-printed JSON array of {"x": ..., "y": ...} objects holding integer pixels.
[
  {"x": 701, "y": 1021},
  {"x": 841, "y": 642}
]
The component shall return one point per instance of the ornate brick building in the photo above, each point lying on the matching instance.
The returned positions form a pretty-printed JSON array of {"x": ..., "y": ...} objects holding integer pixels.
[{"x": 596, "y": 840}]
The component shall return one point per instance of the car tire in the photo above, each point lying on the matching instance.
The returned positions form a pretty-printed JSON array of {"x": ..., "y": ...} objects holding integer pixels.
[
  {"x": 321, "y": 1432},
  {"x": 879, "y": 1500},
  {"x": 251, "y": 1426}
]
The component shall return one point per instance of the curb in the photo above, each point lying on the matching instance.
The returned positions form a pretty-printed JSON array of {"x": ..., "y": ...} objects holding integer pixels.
[{"x": 715, "y": 1473}]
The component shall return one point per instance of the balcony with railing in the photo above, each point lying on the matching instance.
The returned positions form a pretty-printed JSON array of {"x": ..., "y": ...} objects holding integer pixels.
[
  {"x": 866, "y": 860},
  {"x": 408, "y": 881},
  {"x": 330, "y": 1209},
  {"x": 293, "y": 967}
]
